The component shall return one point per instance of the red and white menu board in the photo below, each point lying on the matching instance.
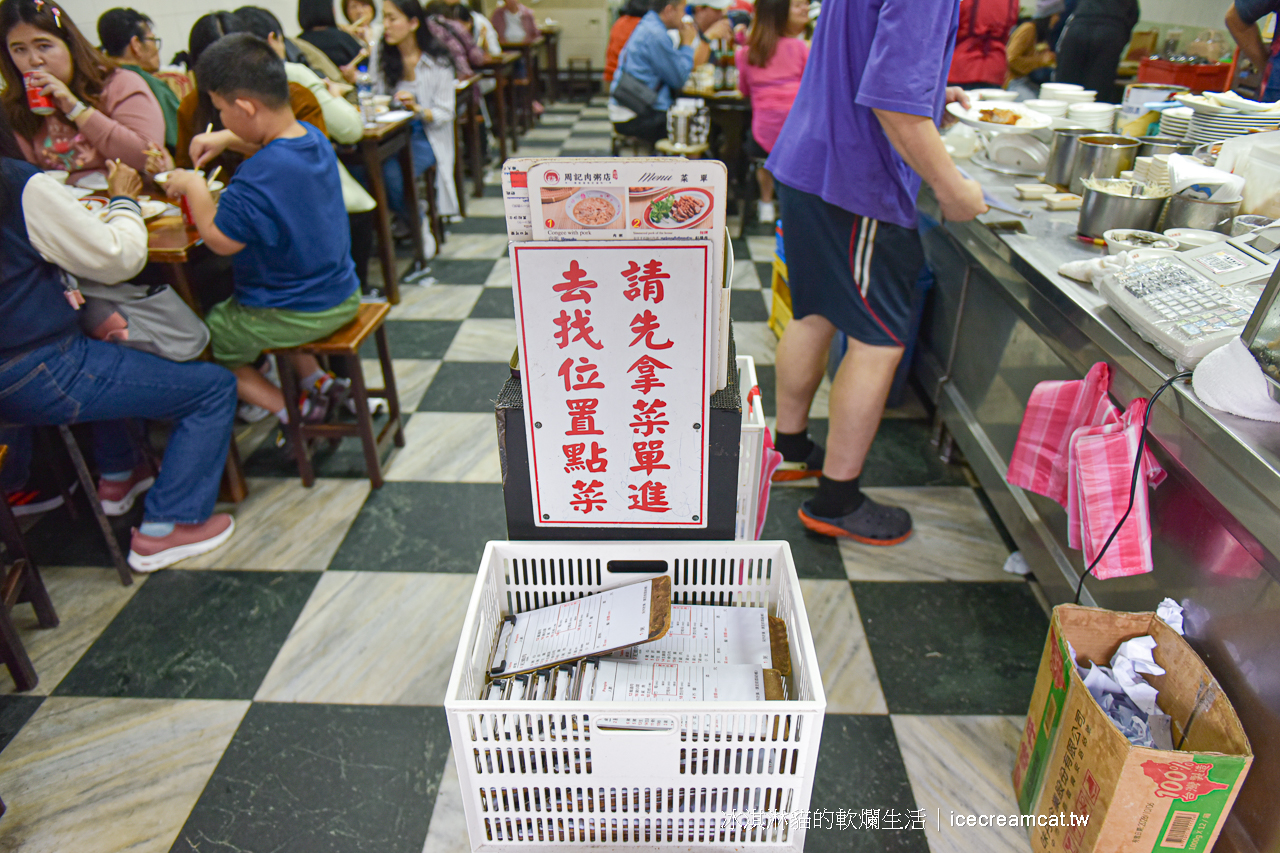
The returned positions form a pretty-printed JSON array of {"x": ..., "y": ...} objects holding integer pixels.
[{"x": 614, "y": 352}]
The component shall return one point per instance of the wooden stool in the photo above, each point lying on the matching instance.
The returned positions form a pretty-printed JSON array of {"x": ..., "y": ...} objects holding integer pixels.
[
  {"x": 667, "y": 148},
  {"x": 21, "y": 583},
  {"x": 581, "y": 76},
  {"x": 639, "y": 147},
  {"x": 345, "y": 344}
]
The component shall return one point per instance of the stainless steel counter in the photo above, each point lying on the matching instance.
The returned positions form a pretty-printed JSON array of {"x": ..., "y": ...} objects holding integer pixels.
[{"x": 1000, "y": 320}]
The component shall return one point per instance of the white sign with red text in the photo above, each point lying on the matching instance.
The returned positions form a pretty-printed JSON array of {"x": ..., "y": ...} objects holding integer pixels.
[{"x": 614, "y": 348}]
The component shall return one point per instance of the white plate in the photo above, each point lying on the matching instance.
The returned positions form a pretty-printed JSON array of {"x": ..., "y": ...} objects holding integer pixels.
[
  {"x": 92, "y": 181},
  {"x": 1193, "y": 238},
  {"x": 1028, "y": 119},
  {"x": 1020, "y": 152},
  {"x": 1202, "y": 105},
  {"x": 161, "y": 178},
  {"x": 1232, "y": 100},
  {"x": 393, "y": 116}
]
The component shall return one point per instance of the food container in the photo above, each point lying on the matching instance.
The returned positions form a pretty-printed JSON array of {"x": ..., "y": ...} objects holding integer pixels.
[
  {"x": 1108, "y": 205},
  {"x": 1184, "y": 212},
  {"x": 1102, "y": 155},
  {"x": 1248, "y": 223},
  {"x": 1193, "y": 238},
  {"x": 1126, "y": 239},
  {"x": 1062, "y": 154},
  {"x": 1153, "y": 145}
]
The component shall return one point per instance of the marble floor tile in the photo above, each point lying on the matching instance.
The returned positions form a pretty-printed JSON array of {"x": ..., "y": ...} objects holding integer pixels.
[
  {"x": 322, "y": 779},
  {"x": 436, "y": 302},
  {"x": 859, "y": 767},
  {"x": 413, "y": 377},
  {"x": 447, "y": 832},
  {"x": 415, "y": 339},
  {"x": 953, "y": 648},
  {"x": 901, "y": 455},
  {"x": 15, "y": 710},
  {"x": 756, "y": 340},
  {"x": 963, "y": 765},
  {"x": 816, "y": 557},
  {"x": 466, "y": 386},
  {"x": 844, "y": 659},
  {"x": 486, "y": 206},
  {"x": 499, "y": 274},
  {"x": 911, "y": 408},
  {"x": 86, "y": 600},
  {"x": 193, "y": 635},
  {"x": 345, "y": 462},
  {"x": 57, "y": 539},
  {"x": 473, "y": 224},
  {"x": 448, "y": 447},
  {"x": 285, "y": 526},
  {"x": 764, "y": 272},
  {"x": 483, "y": 340},
  {"x": 747, "y": 308},
  {"x": 596, "y": 122},
  {"x": 494, "y": 304},
  {"x": 372, "y": 638},
  {"x": 761, "y": 248},
  {"x": 138, "y": 767},
  {"x": 566, "y": 120},
  {"x": 463, "y": 270},
  {"x": 476, "y": 246},
  {"x": 744, "y": 276},
  {"x": 954, "y": 540},
  {"x": 548, "y": 134},
  {"x": 539, "y": 150},
  {"x": 423, "y": 527}
]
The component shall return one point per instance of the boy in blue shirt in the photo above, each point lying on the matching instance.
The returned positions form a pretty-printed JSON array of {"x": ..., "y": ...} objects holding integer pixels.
[{"x": 281, "y": 217}]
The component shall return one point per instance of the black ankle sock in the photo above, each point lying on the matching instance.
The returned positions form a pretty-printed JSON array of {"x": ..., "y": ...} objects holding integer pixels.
[
  {"x": 794, "y": 446},
  {"x": 836, "y": 498}
]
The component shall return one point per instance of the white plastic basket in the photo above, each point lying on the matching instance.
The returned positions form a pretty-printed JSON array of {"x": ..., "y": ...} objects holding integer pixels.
[
  {"x": 750, "y": 452},
  {"x": 713, "y": 775}
]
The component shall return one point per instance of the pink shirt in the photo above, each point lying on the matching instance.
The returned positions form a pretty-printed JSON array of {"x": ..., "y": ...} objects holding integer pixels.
[
  {"x": 128, "y": 118},
  {"x": 773, "y": 88}
]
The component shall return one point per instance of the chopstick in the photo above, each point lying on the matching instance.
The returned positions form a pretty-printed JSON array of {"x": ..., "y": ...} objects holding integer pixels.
[
  {"x": 208, "y": 128},
  {"x": 213, "y": 177}
]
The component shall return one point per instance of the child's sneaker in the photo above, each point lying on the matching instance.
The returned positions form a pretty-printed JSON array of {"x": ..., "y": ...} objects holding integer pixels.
[
  {"x": 151, "y": 553},
  {"x": 810, "y": 467},
  {"x": 871, "y": 523},
  {"x": 117, "y": 497},
  {"x": 32, "y": 501}
]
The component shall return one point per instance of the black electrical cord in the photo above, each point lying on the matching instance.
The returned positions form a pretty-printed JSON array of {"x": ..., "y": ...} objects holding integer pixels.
[{"x": 1133, "y": 481}]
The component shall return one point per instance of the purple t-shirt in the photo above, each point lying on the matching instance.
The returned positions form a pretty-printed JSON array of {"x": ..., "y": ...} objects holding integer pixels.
[{"x": 866, "y": 54}]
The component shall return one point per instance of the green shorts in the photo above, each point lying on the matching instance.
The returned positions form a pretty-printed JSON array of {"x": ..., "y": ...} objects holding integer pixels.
[{"x": 241, "y": 334}]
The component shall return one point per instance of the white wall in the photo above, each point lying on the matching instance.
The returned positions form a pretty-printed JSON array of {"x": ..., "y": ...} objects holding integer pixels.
[
  {"x": 1187, "y": 13},
  {"x": 173, "y": 18}
]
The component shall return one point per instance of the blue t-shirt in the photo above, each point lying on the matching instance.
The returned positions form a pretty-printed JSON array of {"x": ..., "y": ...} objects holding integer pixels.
[
  {"x": 285, "y": 205},
  {"x": 866, "y": 54}
]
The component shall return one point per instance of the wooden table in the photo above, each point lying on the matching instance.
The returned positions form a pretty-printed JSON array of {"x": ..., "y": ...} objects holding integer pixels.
[
  {"x": 499, "y": 69},
  {"x": 170, "y": 245},
  {"x": 552, "y": 37},
  {"x": 529, "y": 53},
  {"x": 730, "y": 111},
  {"x": 466, "y": 124},
  {"x": 381, "y": 141}
]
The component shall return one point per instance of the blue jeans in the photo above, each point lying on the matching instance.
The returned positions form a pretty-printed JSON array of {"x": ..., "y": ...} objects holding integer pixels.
[
  {"x": 77, "y": 379},
  {"x": 113, "y": 449},
  {"x": 423, "y": 159},
  {"x": 1271, "y": 92}
]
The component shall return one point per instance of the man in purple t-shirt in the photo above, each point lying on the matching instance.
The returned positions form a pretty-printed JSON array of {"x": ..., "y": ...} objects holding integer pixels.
[{"x": 860, "y": 137}]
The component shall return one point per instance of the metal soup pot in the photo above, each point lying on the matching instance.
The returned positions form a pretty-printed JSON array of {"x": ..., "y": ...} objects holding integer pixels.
[
  {"x": 1101, "y": 211},
  {"x": 1102, "y": 155},
  {"x": 1155, "y": 145},
  {"x": 1062, "y": 154}
]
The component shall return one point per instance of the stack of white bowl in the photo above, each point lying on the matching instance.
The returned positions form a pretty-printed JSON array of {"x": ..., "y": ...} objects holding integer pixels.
[
  {"x": 1100, "y": 117},
  {"x": 1158, "y": 171},
  {"x": 1048, "y": 107},
  {"x": 1141, "y": 169},
  {"x": 1069, "y": 92},
  {"x": 1175, "y": 122},
  {"x": 993, "y": 95}
]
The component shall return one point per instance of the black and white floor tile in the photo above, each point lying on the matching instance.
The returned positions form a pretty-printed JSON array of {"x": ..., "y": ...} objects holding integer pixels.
[{"x": 285, "y": 692}]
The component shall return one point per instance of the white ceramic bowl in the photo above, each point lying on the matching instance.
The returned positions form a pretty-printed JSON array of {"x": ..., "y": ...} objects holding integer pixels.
[
  {"x": 162, "y": 178},
  {"x": 1055, "y": 108},
  {"x": 58, "y": 175},
  {"x": 994, "y": 94},
  {"x": 1060, "y": 87},
  {"x": 1083, "y": 96},
  {"x": 1127, "y": 239},
  {"x": 1090, "y": 108}
]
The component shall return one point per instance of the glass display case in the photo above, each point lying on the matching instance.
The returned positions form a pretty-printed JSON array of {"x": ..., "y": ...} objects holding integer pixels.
[{"x": 1262, "y": 333}]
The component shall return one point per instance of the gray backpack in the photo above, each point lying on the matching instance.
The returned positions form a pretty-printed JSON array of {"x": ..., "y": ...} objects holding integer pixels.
[{"x": 151, "y": 318}]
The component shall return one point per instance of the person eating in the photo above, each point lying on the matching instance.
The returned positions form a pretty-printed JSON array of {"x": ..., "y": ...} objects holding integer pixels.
[
  {"x": 126, "y": 36},
  {"x": 90, "y": 111}
]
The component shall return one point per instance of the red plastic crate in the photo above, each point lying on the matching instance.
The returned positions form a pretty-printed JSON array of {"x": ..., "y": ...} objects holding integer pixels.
[{"x": 1197, "y": 78}]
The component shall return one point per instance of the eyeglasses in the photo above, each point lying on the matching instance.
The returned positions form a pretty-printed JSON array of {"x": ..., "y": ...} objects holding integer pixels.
[{"x": 153, "y": 38}]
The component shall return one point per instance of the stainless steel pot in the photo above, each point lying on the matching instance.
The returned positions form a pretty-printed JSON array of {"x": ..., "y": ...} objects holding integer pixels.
[
  {"x": 1102, "y": 211},
  {"x": 1206, "y": 215},
  {"x": 1062, "y": 154},
  {"x": 1102, "y": 155},
  {"x": 1154, "y": 145}
]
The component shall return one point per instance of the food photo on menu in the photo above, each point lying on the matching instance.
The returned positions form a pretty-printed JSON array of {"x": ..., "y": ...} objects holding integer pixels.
[
  {"x": 667, "y": 208},
  {"x": 571, "y": 208}
]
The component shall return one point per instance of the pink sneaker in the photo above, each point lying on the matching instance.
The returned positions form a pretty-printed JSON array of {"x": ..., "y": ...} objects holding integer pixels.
[
  {"x": 150, "y": 553},
  {"x": 117, "y": 497}
]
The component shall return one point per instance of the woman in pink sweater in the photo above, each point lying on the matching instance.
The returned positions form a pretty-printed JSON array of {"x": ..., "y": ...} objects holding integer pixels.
[
  {"x": 769, "y": 72},
  {"x": 101, "y": 112}
]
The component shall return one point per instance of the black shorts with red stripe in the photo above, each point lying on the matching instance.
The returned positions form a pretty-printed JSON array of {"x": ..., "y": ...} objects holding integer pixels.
[{"x": 857, "y": 272}]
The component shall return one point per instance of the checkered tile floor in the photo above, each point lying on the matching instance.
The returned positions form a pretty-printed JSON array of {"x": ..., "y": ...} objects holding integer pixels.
[{"x": 284, "y": 692}]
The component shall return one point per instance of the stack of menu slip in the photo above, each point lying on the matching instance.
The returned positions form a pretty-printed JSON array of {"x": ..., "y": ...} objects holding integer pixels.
[
  {"x": 637, "y": 200},
  {"x": 630, "y": 681}
]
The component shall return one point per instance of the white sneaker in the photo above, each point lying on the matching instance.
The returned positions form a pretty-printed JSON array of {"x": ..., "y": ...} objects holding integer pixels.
[{"x": 767, "y": 215}]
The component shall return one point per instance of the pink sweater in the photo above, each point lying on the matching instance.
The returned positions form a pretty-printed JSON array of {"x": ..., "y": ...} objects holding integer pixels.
[
  {"x": 772, "y": 89},
  {"x": 128, "y": 119}
]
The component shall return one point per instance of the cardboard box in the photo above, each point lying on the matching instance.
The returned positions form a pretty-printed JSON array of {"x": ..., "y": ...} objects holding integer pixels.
[{"x": 1073, "y": 761}]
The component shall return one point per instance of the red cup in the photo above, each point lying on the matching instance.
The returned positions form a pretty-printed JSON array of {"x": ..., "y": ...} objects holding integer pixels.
[
  {"x": 186, "y": 212},
  {"x": 41, "y": 105}
]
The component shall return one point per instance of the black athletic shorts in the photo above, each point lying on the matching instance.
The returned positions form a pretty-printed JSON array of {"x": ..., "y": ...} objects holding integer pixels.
[{"x": 859, "y": 273}]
